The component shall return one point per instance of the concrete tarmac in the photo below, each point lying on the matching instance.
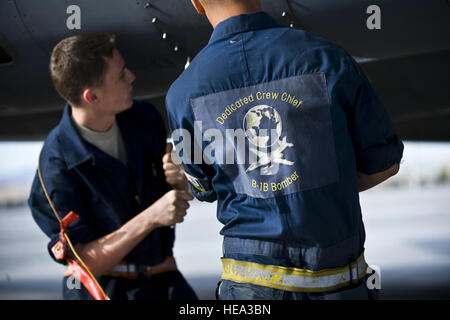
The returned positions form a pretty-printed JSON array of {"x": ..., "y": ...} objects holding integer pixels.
[{"x": 408, "y": 238}]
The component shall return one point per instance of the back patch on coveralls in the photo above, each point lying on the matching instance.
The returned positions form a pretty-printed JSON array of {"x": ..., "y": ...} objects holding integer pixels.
[{"x": 271, "y": 139}]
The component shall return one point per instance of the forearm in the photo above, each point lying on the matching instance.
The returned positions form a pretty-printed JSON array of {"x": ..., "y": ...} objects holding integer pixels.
[
  {"x": 366, "y": 181},
  {"x": 102, "y": 254}
]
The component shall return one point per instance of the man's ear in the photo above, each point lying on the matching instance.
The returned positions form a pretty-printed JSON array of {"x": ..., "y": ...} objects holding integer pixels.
[
  {"x": 89, "y": 96},
  {"x": 198, "y": 6}
]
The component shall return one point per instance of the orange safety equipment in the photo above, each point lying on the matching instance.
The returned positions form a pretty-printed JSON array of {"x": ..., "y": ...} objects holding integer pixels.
[{"x": 62, "y": 249}]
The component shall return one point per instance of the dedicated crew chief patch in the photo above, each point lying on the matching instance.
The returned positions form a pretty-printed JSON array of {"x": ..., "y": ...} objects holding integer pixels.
[{"x": 271, "y": 139}]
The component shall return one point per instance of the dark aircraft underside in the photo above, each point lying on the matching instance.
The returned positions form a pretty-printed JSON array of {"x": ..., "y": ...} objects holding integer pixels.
[{"x": 407, "y": 60}]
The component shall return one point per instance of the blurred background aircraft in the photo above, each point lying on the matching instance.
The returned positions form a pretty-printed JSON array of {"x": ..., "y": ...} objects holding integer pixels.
[{"x": 407, "y": 61}]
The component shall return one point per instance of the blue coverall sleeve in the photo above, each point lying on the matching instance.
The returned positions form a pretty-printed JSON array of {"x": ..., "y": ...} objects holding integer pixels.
[
  {"x": 199, "y": 175},
  {"x": 66, "y": 195},
  {"x": 376, "y": 145}
]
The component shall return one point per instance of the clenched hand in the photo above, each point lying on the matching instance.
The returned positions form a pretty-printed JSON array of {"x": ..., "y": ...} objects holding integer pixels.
[{"x": 173, "y": 172}]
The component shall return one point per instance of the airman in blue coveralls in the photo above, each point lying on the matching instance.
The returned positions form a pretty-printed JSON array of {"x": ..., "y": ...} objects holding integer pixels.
[
  {"x": 291, "y": 131},
  {"x": 104, "y": 162}
]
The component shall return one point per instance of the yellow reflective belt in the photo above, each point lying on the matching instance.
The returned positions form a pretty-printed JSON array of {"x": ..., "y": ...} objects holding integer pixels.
[{"x": 293, "y": 279}]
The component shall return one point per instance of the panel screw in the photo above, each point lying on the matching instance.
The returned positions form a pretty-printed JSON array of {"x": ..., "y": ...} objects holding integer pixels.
[{"x": 188, "y": 62}]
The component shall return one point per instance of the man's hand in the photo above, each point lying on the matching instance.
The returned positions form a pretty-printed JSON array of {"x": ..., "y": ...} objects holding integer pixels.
[
  {"x": 174, "y": 174},
  {"x": 170, "y": 208},
  {"x": 102, "y": 254}
]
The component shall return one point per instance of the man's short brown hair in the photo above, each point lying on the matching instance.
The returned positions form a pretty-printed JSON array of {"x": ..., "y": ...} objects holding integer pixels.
[{"x": 78, "y": 62}]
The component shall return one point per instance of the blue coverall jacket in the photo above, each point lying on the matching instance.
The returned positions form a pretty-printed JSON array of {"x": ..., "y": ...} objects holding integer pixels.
[{"x": 284, "y": 120}]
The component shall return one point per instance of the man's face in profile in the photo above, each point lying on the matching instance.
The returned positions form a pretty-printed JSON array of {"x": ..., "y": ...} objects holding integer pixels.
[{"x": 116, "y": 91}]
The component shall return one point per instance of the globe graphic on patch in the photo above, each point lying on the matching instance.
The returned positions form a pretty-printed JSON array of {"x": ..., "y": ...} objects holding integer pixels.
[{"x": 262, "y": 125}]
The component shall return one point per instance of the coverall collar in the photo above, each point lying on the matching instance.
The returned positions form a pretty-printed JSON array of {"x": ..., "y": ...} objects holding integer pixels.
[
  {"x": 242, "y": 23},
  {"x": 73, "y": 147},
  {"x": 76, "y": 151}
]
